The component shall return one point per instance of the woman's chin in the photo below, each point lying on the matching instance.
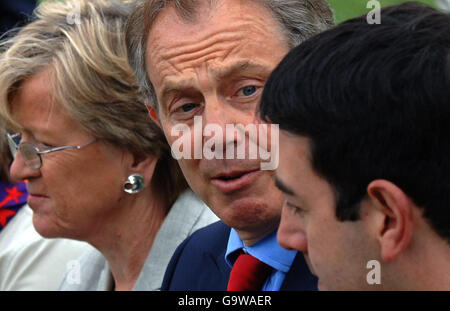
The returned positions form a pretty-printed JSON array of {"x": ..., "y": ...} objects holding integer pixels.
[{"x": 45, "y": 228}]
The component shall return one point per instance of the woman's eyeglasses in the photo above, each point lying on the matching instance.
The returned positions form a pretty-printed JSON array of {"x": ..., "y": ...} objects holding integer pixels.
[{"x": 31, "y": 154}]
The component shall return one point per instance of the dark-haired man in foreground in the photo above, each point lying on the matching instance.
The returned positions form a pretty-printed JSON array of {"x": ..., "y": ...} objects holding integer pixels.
[{"x": 365, "y": 148}]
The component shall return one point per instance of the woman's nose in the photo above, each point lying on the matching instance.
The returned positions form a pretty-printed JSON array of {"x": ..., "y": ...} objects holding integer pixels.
[{"x": 20, "y": 171}]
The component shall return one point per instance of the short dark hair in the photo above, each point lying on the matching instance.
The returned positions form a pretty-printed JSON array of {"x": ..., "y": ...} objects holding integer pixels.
[{"x": 373, "y": 100}]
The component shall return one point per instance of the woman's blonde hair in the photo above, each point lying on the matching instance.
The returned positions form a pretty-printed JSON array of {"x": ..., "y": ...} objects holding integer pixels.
[{"x": 82, "y": 42}]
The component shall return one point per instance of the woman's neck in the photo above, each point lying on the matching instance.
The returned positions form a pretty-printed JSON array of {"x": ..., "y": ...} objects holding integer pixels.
[{"x": 127, "y": 237}]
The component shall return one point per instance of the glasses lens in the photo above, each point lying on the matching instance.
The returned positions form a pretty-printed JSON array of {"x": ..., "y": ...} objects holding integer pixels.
[
  {"x": 12, "y": 146},
  {"x": 30, "y": 156}
]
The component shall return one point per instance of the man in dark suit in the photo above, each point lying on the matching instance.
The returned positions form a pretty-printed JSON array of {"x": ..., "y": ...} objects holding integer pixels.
[
  {"x": 199, "y": 264},
  {"x": 364, "y": 115},
  {"x": 203, "y": 66}
]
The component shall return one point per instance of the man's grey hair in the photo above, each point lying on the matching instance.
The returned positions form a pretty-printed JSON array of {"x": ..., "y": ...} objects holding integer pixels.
[{"x": 299, "y": 19}]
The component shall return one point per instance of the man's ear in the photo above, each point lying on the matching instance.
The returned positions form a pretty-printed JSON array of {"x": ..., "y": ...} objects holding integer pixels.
[
  {"x": 395, "y": 217},
  {"x": 153, "y": 114}
]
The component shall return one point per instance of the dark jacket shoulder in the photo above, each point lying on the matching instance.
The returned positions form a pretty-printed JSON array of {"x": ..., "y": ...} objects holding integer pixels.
[{"x": 198, "y": 263}]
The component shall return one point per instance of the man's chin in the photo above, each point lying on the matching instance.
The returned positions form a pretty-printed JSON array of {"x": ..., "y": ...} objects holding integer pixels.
[
  {"x": 320, "y": 286},
  {"x": 308, "y": 263},
  {"x": 249, "y": 218},
  {"x": 246, "y": 206}
]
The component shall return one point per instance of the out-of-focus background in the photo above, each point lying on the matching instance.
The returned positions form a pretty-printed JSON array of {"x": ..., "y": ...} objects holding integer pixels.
[
  {"x": 15, "y": 12},
  {"x": 345, "y": 9}
]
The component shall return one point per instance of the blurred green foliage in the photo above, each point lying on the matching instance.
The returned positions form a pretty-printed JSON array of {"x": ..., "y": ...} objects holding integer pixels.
[{"x": 345, "y": 9}]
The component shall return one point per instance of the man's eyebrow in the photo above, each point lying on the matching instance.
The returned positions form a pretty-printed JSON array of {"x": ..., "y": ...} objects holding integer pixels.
[
  {"x": 283, "y": 187},
  {"x": 220, "y": 73},
  {"x": 174, "y": 86},
  {"x": 239, "y": 67}
]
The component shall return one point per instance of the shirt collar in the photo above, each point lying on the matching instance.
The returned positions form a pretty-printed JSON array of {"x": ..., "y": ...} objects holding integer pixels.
[{"x": 267, "y": 250}]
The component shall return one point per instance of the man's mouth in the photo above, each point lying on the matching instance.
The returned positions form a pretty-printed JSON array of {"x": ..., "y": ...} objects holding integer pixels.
[{"x": 234, "y": 180}]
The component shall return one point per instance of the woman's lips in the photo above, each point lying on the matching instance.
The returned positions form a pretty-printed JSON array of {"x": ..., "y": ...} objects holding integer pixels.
[
  {"x": 36, "y": 199},
  {"x": 233, "y": 184}
]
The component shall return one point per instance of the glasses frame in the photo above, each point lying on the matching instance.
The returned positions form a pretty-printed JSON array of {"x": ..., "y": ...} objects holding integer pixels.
[{"x": 14, "y": 148}]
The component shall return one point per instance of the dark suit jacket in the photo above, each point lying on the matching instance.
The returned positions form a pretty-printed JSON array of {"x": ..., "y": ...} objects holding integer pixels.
[{"x": 199, "y": 264}]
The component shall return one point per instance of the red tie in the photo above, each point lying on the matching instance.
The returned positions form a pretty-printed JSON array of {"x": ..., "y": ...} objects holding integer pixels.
[{"x": 248, "y": 274}]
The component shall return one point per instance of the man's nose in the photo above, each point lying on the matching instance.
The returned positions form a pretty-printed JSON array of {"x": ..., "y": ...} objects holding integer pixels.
[
  {"x": 218, "y": 112},
  {"x": 220, "y": 115},
  {"x": 20, "y": 171},
  {"x": 291, "y": 234}
]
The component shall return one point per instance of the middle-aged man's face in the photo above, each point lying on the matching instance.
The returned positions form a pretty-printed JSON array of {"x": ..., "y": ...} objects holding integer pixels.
[
  {"x": 337, "y": 252},
  {"x": 216, "y": 68}
]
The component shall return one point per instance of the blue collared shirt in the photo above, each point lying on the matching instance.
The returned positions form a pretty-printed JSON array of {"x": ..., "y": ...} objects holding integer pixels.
[{"x": 268, "y": 251}]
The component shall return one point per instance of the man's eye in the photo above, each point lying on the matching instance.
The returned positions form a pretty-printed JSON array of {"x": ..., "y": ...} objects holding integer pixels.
[
  {"x": 185, "y": 110},
  {"x": 294, "y": 209},
  {"x": 248, "y": 90},
  {"x": 188, "y": 107}
]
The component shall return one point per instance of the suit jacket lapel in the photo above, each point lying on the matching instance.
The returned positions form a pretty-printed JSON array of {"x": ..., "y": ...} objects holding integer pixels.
[{"x": 215, "y": 271}]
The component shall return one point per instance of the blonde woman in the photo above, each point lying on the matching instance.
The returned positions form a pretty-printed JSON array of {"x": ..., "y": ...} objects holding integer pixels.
[{"x": 97, "y": 169}]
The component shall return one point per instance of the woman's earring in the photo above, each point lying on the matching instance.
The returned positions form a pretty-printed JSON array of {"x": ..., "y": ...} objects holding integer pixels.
[{"x": 134, "y": 184}]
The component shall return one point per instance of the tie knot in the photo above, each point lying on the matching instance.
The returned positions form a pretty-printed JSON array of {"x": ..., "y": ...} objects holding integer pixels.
[{"x": 248, "y": 274}]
